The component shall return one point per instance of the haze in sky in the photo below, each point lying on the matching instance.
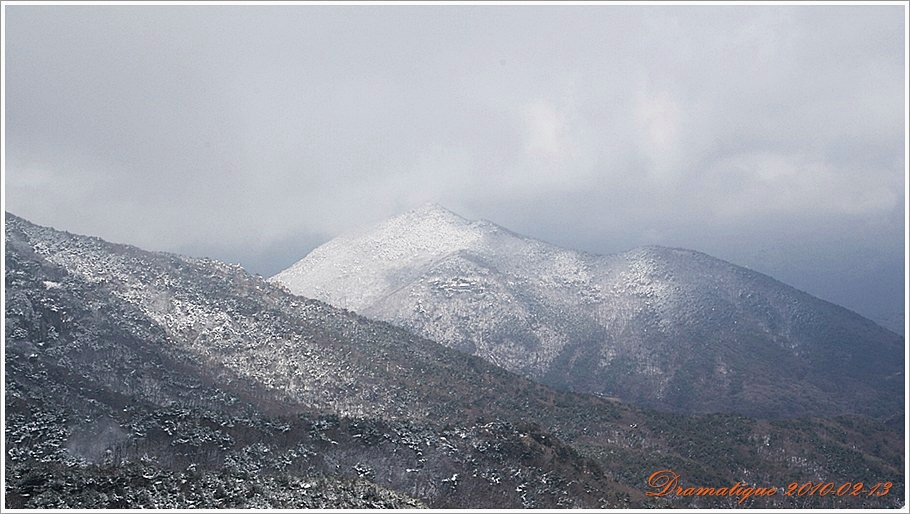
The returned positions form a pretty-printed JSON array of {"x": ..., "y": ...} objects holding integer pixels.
[{"x": 771, "y": 136}]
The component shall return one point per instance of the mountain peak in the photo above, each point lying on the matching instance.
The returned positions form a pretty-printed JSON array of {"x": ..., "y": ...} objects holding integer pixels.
[
  {"x": 432, "y": 209},
  {"x": 429, "y": 213},
  {"x": 364, "y": 264},
  {"x": 428, "y": 229}
]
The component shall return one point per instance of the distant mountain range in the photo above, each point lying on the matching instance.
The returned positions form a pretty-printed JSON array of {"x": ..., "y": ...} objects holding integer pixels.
[
  {"x": 661, "y": 327},
  {"x": 142, "y": 379}
]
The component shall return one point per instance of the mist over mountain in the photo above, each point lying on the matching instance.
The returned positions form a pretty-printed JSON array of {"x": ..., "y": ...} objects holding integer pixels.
[
  {"x": 667, "y": 328},
  {"x": 141, "y": 379}
]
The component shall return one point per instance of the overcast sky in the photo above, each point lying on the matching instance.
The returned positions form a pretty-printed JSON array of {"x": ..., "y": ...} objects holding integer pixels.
[{"x": 769, "y": 136}]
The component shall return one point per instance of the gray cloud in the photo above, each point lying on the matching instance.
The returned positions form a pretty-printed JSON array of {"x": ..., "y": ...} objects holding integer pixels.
[{"x": 772, "y": 136}]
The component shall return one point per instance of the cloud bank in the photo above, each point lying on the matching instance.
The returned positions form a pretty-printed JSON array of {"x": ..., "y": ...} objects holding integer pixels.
[{"x": 771, "y": 136}]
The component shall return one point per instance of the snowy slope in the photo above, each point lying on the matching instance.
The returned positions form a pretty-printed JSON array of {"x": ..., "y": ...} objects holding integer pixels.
[{"x": 668, "y": 328}]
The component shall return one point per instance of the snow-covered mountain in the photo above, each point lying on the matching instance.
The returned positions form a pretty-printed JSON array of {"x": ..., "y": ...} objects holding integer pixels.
[
  {"x": 663, "y": 327},
  {"x": 143, "y": 379}
]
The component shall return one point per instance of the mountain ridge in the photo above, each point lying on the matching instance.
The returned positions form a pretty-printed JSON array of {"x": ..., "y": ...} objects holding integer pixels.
[{"x": 606, "y": 324}]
